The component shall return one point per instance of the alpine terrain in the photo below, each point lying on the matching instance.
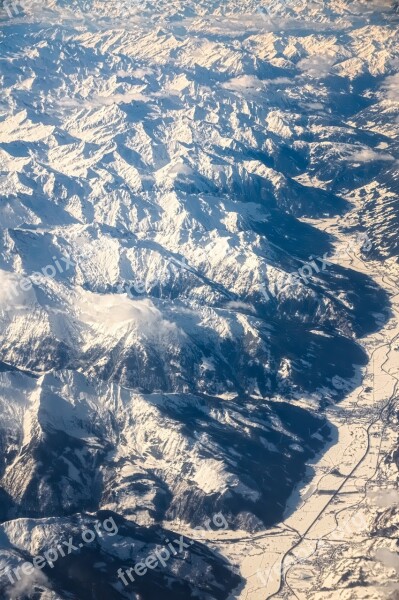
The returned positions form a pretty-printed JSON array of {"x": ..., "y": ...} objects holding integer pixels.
[{"x": 199, "y": 327}]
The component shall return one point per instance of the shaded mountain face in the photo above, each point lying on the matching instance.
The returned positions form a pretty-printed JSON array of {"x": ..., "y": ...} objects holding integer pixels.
[
  {"x": 80, "y": 444},
  {"x": 91, "y": 572},
  {"x": 172, "y": 323}
]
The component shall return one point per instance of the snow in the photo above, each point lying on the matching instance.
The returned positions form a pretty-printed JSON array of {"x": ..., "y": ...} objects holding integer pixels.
[{"x": 193, "y": 148}]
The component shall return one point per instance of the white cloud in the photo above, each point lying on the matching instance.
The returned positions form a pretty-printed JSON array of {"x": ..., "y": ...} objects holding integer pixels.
[
  {"x": 388, "y": 558},
  {"x": 316, "y": 66},
  {"x": 367, "y": 155},
  {"x": 115, "y": 315},
  {"x": 15, "y": 292},
  {"x": 384, "y": 498},
  {"x": 245, "y": 82},
  {"x": 315, "y": 105},
  {"x": 26, "y": 584},
  {"x": 391, "y": 87},
  {"x": 238, "y": 305}
]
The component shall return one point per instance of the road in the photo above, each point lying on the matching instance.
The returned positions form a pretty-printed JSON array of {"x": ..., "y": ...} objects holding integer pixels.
[
  {"x": 378, "y": 420},
  {"x": 267, "y": 560}
]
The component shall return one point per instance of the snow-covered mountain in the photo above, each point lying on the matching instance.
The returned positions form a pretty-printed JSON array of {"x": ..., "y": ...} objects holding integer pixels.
[{"x": 161, "y": 167}]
